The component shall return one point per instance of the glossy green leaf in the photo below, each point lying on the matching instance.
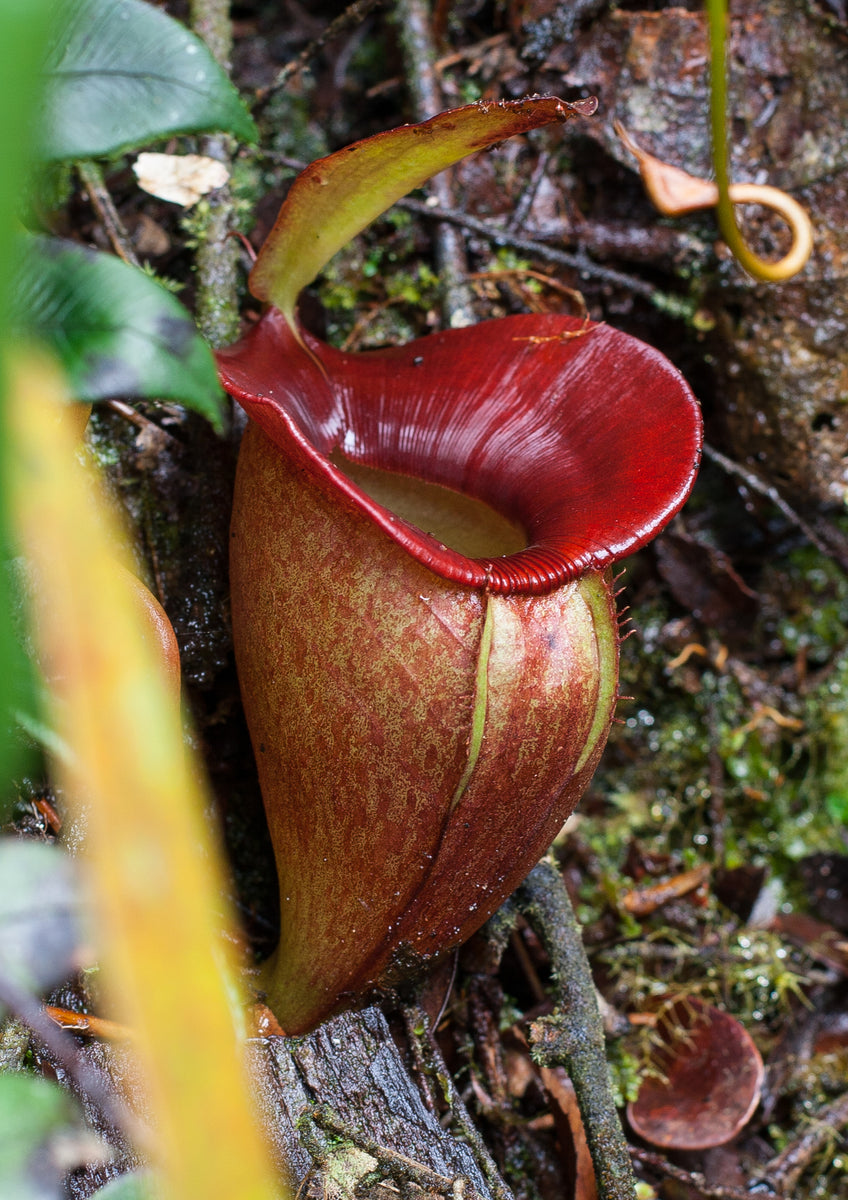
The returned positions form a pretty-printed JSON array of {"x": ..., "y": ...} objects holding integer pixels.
[
  {"x": 23, "y": 38},
  {"x": 32, "y": 1113},
  {"x": 120, "y": 73},
  {"x": 115, "y": 330},
  {"x": 336, "y": 197}
]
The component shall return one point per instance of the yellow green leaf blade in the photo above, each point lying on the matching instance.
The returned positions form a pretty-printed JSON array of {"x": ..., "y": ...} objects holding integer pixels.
[
  {"x": 154, "y": 869},
  {"x": 336, "y": 197}
]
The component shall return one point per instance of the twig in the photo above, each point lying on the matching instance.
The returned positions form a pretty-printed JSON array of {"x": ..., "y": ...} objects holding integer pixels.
[
  {"x": 690, "y": 1179},
  {"x": 525, "y": 203},
  {"x": 443, "y": 1007},
  {"x": 61, "y": 1047},
  {"x": 419, "y": 52},
  {"x": 210, "y": 20},
  {"x": 431, "y": 1056},
  {"x": 465, "y": 54},
  {"x": 758, "y": 485},
  {"x": 573, "y": 1037},
  {"x": 103, "y": 204},
  {"x": 397, "y": 1166},
  {"x": 502, "y": 237},
  {"x": 784, "y": 1171},
  {"x": 352, "y": 16},
  {"x": 128, "y": 413},
  {"x": 216, "y": 258}
]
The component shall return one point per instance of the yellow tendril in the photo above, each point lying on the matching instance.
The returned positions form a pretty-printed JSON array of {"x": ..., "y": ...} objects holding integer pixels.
[
  {"x": 674, "y": 191},
  {"x": 730, "y": 194}
]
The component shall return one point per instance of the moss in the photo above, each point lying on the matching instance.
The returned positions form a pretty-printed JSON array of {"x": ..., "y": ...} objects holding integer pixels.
[
  {"x": 625, "y": 1073},
  {"x": 733, "y": 759},
  {"x": 247, "y": 186},
  {"x": 369, "y": 285}
]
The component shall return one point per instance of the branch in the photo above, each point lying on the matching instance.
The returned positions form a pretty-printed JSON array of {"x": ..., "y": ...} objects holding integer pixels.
[
  {"x": 574, "y": 1036},
  {"x": 419, "y": 52},
  {"x": 217, "y": 253}
]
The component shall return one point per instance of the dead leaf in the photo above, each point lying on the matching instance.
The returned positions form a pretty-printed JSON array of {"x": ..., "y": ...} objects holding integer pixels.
[
  {"x": 180, "y": 178},
  {"x": 642, "y": 901},
  {"x": 708, "y": 1081}
]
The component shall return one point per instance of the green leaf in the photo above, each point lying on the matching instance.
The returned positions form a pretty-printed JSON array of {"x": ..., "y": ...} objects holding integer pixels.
[
  {"x": 120, "y": 73},
  {"x": 32, "y": 1113},
  {"x": 23, "y": 38},
  {"x": 115, "y": 330},
  {"x": 336, "y": 197},
  {"x": 39, "y": 914}
]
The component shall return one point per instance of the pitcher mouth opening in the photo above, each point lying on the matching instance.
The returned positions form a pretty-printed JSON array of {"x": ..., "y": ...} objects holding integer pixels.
[
  {"x": 582, "y": 440},
  {"x": 456, "y": 520}
]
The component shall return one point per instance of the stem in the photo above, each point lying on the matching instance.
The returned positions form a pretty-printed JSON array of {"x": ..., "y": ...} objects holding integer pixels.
[
  {"x": 574, "y": 1036},
  {"x": 352, "y": 16},
  {"x": 397, "y": 1166},
  {"x": 463, "y": 1126},
  {"x": 502, "y": 237},
  {"x": 784, "y": 1171},
  {"x": 216, "y": 259},
  {"x": 210, "y": 20},
  {"x": 103, "y": 204},
  {"x": 693, "y": 1181},
  {"x": 746, "y": 193},
  {"x": 419, "y": 52},
  {"x": 756, "y": 484}
]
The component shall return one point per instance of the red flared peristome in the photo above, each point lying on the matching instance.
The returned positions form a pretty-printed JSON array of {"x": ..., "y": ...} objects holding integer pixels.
[{"x": 585, "y": 437}]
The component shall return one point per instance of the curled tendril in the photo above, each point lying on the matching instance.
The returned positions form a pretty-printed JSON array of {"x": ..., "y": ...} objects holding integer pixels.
[
  {"x": 730, "y": 194},
  {"x": 674, "y": 191}
]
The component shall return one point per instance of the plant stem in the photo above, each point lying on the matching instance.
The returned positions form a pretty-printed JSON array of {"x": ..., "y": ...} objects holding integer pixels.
[
  {"x": 428, "y": 1048},
  {"x": 573, "y": 1037},
  {"x": 397, "y": 1166},
  {"x": 210, "y": 20},
  {"x": 758, "y": 485},
  {"x": 784, "y": 1171},
  {"x": 502, "y": 237},
  {"x": 419, "y": 52},
  {"x": 692, "y": 1181},
  {"x": 352, "y": 16},
  {"x": 103, "y": 204},
  {"x": 216, "y": 259}
]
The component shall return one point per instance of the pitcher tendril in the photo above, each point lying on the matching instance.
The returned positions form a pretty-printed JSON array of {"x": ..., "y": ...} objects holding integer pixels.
[
  {"x": 674, "y": 191},
  {"x": 749, "y": 193}
]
